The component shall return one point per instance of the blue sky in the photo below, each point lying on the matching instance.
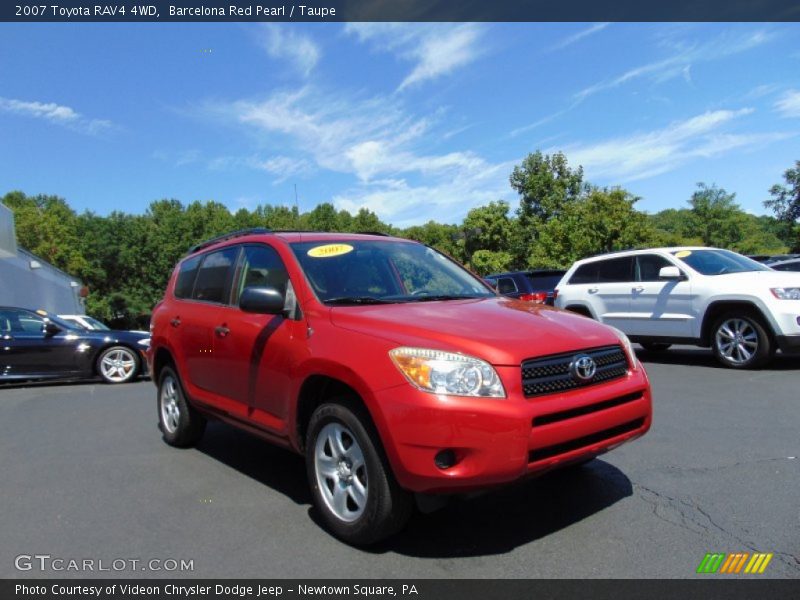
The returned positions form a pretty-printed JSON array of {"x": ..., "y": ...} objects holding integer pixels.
[{"x": 414, "y": 121}]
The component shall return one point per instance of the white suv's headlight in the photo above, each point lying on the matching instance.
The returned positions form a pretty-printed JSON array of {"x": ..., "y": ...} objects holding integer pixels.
[
  {"x": 448, "y": 373},
  {"x": 792, "y": 293},
  {"x": 626, "y": 344}
]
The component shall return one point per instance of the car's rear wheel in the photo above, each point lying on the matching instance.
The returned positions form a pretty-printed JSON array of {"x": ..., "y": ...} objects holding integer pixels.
[
  {"x": 118, "y": 364},
  {"x": 654, "y": 346},
  {"x": 180, "y": 423},
  {"x": 740, "y": 341},
  {"x": 352, "y": 484}
]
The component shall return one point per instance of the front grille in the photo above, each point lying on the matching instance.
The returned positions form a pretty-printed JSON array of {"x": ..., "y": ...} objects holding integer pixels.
[
  {"x": 552, "y": 374},
  {"x": 588, "y": 440}
]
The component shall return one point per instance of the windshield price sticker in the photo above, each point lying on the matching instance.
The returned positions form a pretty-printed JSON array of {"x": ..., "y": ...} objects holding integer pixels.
[{"x": 329, "y": 250}]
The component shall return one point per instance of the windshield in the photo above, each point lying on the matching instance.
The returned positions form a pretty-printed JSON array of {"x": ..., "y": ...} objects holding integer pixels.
[
  {"x": 377, "y": 272},
  {"x": 96, "y": 324},
  {"x": 718, "y": 262}
]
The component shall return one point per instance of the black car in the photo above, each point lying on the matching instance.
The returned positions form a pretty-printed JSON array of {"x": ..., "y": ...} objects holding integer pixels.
[
  {"x": 786, "y": 265},
  {"x": 39, "y": 345},
  {"x": 532, "y": 286}
]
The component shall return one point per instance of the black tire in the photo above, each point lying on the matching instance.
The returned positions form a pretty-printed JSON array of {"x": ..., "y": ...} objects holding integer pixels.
[
  {"x": 126, "y": 367},
  {"x": 188, "y": 425},
  {"x": 655, "y": 346},
  {"x": 757, "y": 342},
  {"x": 387, "y": 507}
]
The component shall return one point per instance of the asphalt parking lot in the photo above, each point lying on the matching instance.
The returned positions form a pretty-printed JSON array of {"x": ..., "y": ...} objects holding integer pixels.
[{"x": 85, "y": 475}]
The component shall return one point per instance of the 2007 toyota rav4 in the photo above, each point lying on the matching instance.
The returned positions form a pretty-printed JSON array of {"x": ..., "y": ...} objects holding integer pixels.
[{"x": 389, "y": 366}]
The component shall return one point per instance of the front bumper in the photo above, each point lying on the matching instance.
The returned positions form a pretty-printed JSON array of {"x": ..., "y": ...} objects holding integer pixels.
[
  {"x": 497, "y": 441},
  {"x": 788, "y": 343}
]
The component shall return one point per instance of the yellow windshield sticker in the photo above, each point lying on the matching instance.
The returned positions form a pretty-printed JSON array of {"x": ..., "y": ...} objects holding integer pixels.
[
  {"x": 329, "y": 250},
  {"x": 683, "y": 254}
]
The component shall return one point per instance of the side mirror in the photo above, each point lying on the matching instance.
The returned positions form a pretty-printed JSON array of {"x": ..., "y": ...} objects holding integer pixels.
[
  {"x": 50, "y": 328},
  {"x": 670, "y": 273},
  {"x": 261, "y": 300}
]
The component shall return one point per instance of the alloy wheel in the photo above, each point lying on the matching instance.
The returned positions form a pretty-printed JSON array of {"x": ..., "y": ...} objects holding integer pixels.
[
  {"x": 341, "y": 472},
  {"x": 737, "y": 340}
]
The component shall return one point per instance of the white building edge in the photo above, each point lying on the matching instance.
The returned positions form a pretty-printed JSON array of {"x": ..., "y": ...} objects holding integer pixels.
[{"x": 27, "y": 281}]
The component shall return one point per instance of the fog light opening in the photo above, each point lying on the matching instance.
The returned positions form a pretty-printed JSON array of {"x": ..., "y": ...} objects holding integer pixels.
[{"x": 445, "y": 459}]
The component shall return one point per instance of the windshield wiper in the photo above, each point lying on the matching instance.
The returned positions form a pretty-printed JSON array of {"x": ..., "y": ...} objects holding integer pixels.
[
  {"x": 434, "y": 297},
  {"x": 357, "y": 300}
]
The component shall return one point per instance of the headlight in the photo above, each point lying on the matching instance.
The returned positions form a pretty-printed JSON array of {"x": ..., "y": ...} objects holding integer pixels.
[
  {"x": 448, "y": 373},
  {"x": 145, "y": 342},
  {"x": 786, "y": 293},
  {"x": 626, "y": 344}
]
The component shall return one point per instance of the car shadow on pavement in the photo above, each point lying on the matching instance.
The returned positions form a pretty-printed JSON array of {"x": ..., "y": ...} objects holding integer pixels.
[
  {"x": 280, "y": 469},
  {"x": 703, "y": 357},
  {"x": 498, "y": 521}
]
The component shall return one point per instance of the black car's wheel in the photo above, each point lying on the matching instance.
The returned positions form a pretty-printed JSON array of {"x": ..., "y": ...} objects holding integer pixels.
[
  {"x": 740, "y": 341},
  {"x": 180, "y": 423},
  {"x": 352, "y": 484},
  {"x": 118, "y": 364},
  {"x": 654, "y": 346}
]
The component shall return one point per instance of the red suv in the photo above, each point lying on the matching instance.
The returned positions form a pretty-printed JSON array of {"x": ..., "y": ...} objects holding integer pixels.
[{"x": 389, "y": 366}]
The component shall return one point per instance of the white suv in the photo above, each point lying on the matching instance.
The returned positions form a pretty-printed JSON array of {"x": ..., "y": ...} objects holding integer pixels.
[{"x": 690, "y": 295}]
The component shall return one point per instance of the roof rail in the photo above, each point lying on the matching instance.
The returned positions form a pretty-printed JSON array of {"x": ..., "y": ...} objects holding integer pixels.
[
  {"x": 228, "y": 236},
  {"x": 381, "y": 233}
]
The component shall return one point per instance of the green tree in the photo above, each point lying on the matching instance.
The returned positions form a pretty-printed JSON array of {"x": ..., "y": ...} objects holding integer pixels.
[{"x": 785, "y": 203}]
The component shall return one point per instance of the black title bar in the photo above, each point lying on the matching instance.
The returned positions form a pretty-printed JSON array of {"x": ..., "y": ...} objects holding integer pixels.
[{"x": 401, "y": 10}]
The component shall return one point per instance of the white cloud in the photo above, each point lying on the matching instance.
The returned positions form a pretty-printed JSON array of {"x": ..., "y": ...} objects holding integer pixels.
[
  {"x": 284, "y": 167},
  {"x": 646, "y": 154},
  {"x": 436, "y": 49},
  {"x": 788, "y": 105},
  {"x": 282, "y": 43},
  {"x": 376, "y": 141},
  {"x": 676, "y": 65},
  {"x": 576, "y": 37},
  {"x": 54, "y": 113}
]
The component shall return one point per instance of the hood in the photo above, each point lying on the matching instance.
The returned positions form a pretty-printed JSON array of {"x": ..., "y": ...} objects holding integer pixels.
[
  {"x": 765, "y": 279},
  {"x": 502, "y": 331}
]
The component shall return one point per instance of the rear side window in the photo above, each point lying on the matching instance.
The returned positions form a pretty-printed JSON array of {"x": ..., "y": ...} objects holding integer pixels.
[
  {"x": 186, "y": 276},
  {"x": 261, "y": 267},
  {"x": 506, "y": 285},
  {"x": 214, "y": 277},
  {"x": 544, "y": 282},
  {"x": 614, "y": 270}
]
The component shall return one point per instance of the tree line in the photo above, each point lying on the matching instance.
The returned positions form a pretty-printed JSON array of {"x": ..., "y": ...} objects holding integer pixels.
[{"x": 126, "y": 259}]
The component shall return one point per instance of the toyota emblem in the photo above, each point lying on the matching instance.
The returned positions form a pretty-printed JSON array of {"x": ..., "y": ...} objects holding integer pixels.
[{"x": 583, "y": 368}]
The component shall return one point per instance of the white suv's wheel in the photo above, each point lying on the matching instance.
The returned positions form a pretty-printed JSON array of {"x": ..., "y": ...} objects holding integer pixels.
[
  {"x": 740, "y": 341},
  {"x": 118, "y": 364}
]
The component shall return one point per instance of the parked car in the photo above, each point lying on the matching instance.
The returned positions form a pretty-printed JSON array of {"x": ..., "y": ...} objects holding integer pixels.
[
  {"x": 786, "y": 265},
  {"x": 690, "y": 295},
  {"x": 39, "y": 345},
  {"x": 87, "y": 322},
  {"x": 532, "y": 286},
  {"x": 368, "y": 355}
]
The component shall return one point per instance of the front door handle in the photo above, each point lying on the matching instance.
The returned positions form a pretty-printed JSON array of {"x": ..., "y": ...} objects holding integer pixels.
[
  {"x": 175, "y": 322},
  {"x": 592, "y": 290},
  {"x": 638, "y": 289},
  {"x": 222, "y": 331}
]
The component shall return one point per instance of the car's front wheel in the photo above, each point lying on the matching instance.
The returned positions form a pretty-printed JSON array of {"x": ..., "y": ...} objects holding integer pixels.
[
  {"x": 118, "y": 364},
  {"x": 180, "y": 423},
  {"x": 740, "y": 341},
  {"x": 351, "y": 482}
]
